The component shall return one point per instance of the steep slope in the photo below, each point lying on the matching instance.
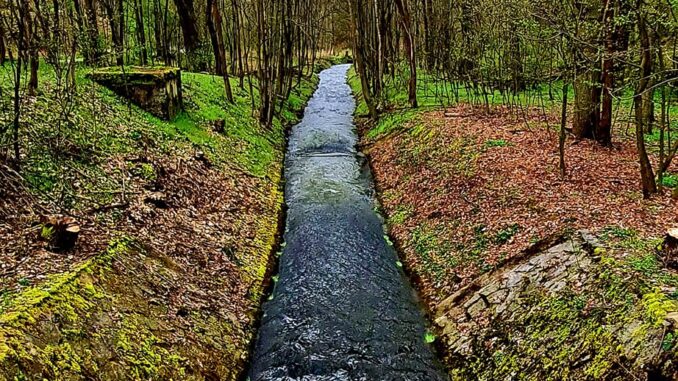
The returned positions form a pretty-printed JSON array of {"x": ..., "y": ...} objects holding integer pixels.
[{"x": 178, "y": 221}]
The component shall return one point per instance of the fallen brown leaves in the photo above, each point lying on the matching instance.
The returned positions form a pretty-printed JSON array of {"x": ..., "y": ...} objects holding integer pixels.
[
  {"x": 206, "y": 225},
  {"x": 466, "y": 190}
]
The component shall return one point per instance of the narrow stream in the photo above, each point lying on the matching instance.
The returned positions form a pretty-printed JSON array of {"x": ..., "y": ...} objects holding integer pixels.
[{"x": 341, "y": 309}]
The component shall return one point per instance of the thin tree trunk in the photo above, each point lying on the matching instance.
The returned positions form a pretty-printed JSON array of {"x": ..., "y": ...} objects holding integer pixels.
[
  {"x": 31, "y": 45},
  {"x": 141, "y": 33},
  {"x": 359, "y": 60},
  {"x": 561, "y": 138},
  {"x": 216, "y": 35},
  {"x": 3, "y": 48},
  {"x": 603, "y": 130},
  {"x": 409, "y": 47},
  {"x": 648, "y": 182}
]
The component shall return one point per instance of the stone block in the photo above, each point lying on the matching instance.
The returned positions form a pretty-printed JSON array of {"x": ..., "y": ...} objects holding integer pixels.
[{"x": 157, "y": 90}]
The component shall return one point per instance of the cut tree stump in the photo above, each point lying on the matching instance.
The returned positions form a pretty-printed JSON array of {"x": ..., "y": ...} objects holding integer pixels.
[
  {"x": 669, "y": 250},
  {"x": 61, "y": 233}
]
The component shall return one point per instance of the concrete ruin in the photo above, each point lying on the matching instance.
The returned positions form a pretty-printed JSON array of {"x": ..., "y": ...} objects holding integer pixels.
[{"x": 155, "y": 89}]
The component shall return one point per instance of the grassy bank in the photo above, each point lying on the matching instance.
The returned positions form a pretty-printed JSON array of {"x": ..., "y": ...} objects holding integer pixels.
[
  {"x": 470, "y": 195},
  {"x": 178, "y": 222}
]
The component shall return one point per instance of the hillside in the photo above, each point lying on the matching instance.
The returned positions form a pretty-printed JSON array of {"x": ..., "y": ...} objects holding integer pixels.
[{"x": 178, "y": 224}]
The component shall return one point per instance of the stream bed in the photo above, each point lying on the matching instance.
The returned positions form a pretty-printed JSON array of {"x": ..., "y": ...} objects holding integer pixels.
[{"x": 341, "y": 309}]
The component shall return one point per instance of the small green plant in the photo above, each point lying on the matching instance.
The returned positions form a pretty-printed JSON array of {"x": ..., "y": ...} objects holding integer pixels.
[
  {"x": 46, "y": 232},
  {"x": 388, "y": 240},
  {"x": 670, "y": 180},
  {"x": 668, "y": 341},
  {"x": 145, "y": 171},
  {"x": 617, "y": 231},
  {"x": 504, "y": 235},
  {"x": 646, "y": 264},
  {"x": 429, "y": 337},
  {"x": 496, "y": 143}
]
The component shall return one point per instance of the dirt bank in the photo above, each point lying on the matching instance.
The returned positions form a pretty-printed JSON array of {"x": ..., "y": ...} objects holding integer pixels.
[{"x": 470, "y": 196}]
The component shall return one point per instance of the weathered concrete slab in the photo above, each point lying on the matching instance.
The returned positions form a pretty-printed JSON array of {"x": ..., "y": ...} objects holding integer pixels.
[
  {"x": 155, "y": 89},
  {"x": 562, "y": 313}
]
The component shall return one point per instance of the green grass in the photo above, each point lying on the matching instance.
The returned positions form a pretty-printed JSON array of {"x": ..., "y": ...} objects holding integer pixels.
[
  {"x": 670, "y": 180},
  {"x": 67, "y": 142},
  {"x": 435, "y": 92}
]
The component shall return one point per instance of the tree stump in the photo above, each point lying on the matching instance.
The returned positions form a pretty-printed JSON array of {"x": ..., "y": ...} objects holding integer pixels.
[
  {"x": 60, "y": 232},
  {"x": 669, "y": 250}
]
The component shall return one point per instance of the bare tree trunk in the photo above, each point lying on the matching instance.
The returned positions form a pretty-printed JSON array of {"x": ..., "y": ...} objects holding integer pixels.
[
  {"x": 92, "y": 52},
  {"x": 648, "y": 182},
  {"x": 409, "y": 46},
  {"x": 562, "y": 136},
  {"x": 359, "y": 54},
  {"x": 3, "y": 48},
  {"x": 21, "y": 49},
  {"x": 586, "y": 105},
  {"x": 116, "y": 19},
  {"x": 141, "y": 33},
  {"x": 216, "y": 35},
  {"x": 603, "y": 130},
  {"x": 189, "y": 28}
]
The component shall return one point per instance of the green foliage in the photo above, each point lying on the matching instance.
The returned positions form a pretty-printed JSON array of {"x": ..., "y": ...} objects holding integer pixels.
[
  {"x": 391, "y": 123},
  {"x": 505, "y": 234},
  {"x": 670, "y": 180},
  {"x": 429, "y": 337},
  {"x": 668, "y": 342},
  {"x": 46, "y": 232},
  {"x": 99, "y": 127},
  {"x": 496, "y": 143}
]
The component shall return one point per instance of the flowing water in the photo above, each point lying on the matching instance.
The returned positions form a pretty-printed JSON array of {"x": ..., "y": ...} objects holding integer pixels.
[{"x": 341, "y": 308}]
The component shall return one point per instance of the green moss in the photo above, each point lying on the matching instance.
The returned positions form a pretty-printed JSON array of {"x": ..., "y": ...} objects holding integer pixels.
[
  {"x": 657, "y": 305},
  {"x": 68, "y": 297}
]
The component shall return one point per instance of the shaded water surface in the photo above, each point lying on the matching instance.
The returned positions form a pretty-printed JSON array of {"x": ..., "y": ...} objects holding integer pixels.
[{"x": 341, "y": 309}]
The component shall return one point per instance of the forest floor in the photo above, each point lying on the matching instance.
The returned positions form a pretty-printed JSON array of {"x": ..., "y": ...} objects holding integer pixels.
[
  {"x": 178, "y": 223},
  {"x": 468, "y": 194}
]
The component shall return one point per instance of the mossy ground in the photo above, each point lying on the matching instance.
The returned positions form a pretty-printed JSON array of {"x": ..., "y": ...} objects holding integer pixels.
[{"x": 176, "y": 296}]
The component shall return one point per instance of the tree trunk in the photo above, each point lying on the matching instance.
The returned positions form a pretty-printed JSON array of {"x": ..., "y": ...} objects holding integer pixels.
[
  {"x": 116, "y": 19},
  {"x": 409, "y": 46},
  {"x": 648, "y": 182},
  {"x": 92, "y": 52},
  {"x": 34, "y": 65},
  {"x": 3, "y": 49},
  {"x": 647, "y": 107},
  {"x": 360, "y": 60},
  {"x": 586, "y": 105},
  {"x": 216, "y": 36},
  {"x": 31, "y": 46},
  {"x": 603, "y": 130},
  {"x": 141, "y": 33},
  {"x": 562, "y": 136},
  {"x": 189, "y": 28}
]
